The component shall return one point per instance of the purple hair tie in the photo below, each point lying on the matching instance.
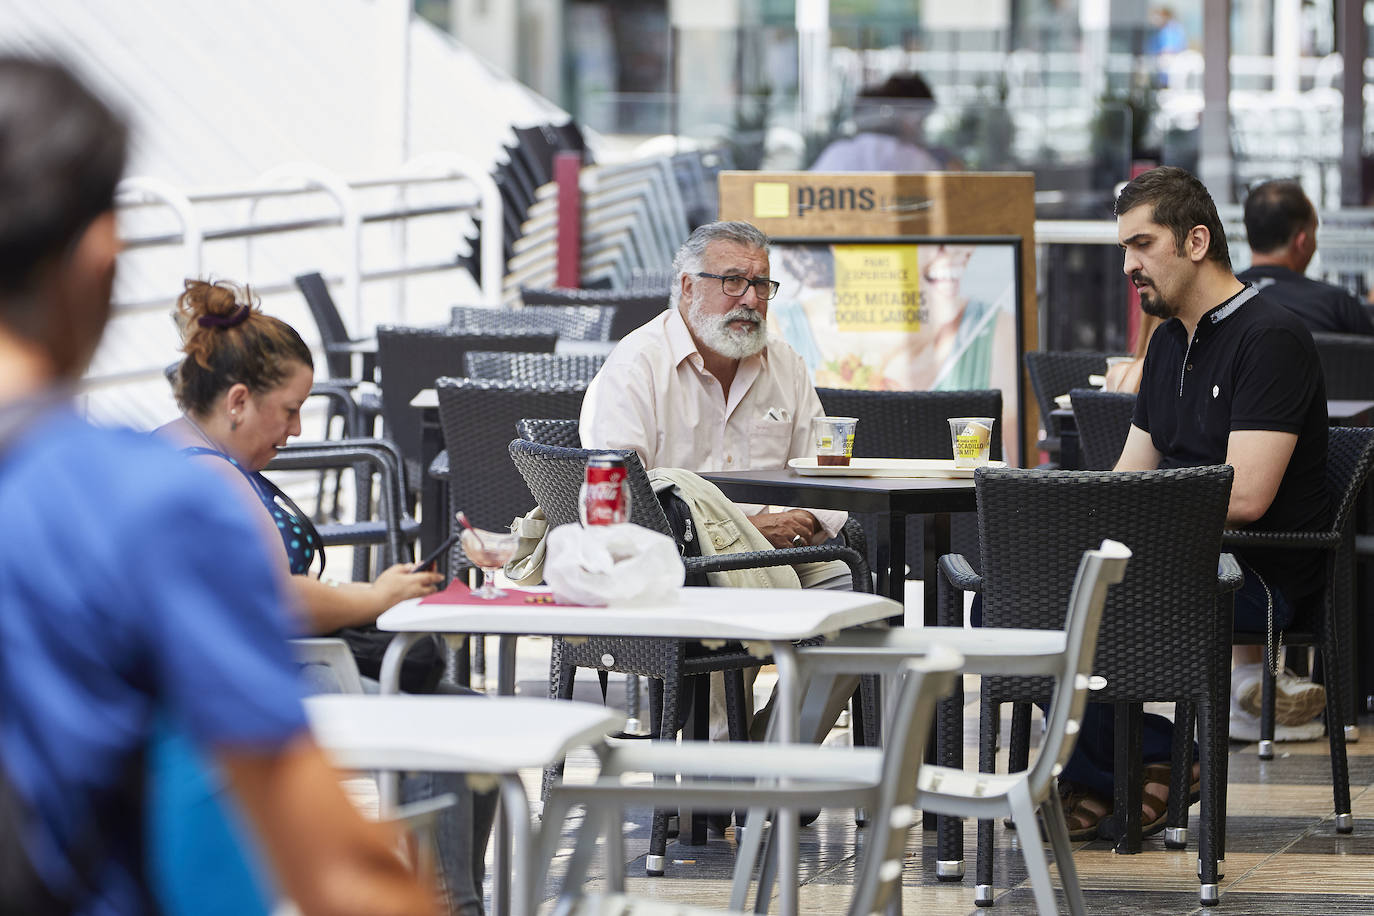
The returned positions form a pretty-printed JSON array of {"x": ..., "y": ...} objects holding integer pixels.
[{"x": 222, "y": 321}]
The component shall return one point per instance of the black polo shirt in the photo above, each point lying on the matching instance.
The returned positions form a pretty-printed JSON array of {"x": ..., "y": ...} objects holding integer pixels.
[
  {"x": 1251, "y": 365},
  {"x": 1321, "y": 306}
]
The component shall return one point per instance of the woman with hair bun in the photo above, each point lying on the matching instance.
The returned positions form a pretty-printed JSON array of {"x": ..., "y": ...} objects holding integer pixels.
[{"x": 240, "y": 388}]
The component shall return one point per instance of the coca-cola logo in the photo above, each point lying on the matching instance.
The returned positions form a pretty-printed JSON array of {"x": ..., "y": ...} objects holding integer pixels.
[{"x": 605, "y": 491}]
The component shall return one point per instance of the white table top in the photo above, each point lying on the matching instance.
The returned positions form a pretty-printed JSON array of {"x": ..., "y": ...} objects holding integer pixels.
[
  {"x": 699, "y": 613},
  {"x": 452, "y": 733}
]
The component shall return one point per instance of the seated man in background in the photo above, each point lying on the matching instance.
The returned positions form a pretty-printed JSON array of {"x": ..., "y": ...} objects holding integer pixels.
[
  {"x": 1281, "y": 227},
  {"x": 1230, "y": 377},
  {"x": 135, "y": 596},
  {"x": 704, "y": 387}
]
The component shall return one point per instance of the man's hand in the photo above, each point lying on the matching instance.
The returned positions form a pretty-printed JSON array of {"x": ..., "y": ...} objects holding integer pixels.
[{"x": 782, "y": 528}]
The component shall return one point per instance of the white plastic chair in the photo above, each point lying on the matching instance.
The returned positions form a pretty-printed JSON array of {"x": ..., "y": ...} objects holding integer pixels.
[
  {"x": 763, "y": 776},
  {"x": 1067, "y": 655}
]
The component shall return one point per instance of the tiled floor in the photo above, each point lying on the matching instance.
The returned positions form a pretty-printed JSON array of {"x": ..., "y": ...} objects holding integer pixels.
[{"x": 1283, "y": 854}]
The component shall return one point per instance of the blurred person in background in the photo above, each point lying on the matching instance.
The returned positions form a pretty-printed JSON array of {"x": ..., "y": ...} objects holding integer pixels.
[
  {"x": 240, "y": 388},
  {"x": 889, "y": 120},
  {"x": 136, "y": 596},
  {"x": 1281, "y": 227}
]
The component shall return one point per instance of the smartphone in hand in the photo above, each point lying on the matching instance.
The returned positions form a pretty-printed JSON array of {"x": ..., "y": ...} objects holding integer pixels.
[{"x": 434, "y": 555}]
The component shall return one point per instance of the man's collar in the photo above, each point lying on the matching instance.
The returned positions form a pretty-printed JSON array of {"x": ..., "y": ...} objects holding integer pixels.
[{"x": 1228, "y": 308}]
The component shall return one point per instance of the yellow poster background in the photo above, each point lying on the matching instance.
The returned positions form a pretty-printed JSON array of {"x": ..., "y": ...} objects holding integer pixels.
[{"x": 877, "y": 288}]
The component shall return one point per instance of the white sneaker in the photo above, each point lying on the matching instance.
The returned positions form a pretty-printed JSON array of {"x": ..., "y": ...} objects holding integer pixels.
[
  {"x": 1297, "y": 701},
  {"x": 1245, "y": 727}
]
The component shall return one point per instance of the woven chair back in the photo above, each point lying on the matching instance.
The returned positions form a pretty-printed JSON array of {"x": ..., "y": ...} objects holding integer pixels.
[
  {"x": 410, "y": 359},
  {"x": 554, "y": 475},
  {"x": 478, "y": 417},
  {"x": 576, "y": 322},
  {"x": 533, "y": 368},
  {"x": 1161, "y": 627},
  {"x": 1104, "y": 420},
  {"x": 1056, "y": 372},
  {"x": 545, "y": 431},
  {"x": 910, "y": 424},
  {"x": 1347, "y": 364},
  {"x": 633, "y": 307}
]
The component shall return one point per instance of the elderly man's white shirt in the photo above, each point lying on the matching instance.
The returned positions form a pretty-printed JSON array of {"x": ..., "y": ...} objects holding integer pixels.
[{"x": 655, "y": 396}]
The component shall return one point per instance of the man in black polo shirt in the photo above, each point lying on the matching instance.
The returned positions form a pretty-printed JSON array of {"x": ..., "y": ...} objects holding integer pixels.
[
  {"x": 1281, "y": 225},
  {"x": 1230, "y": 377}
]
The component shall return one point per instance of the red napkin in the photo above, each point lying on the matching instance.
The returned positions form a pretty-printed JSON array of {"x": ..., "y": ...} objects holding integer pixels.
[{"x": 458, "y": 593}]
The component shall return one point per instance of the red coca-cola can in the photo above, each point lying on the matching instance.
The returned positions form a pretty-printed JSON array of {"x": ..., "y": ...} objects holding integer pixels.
[{"x": 605, "y": 497}]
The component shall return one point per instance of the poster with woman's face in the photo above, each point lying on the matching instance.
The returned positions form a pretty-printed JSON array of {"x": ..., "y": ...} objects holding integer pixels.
[{"x": 903, "y": 316}]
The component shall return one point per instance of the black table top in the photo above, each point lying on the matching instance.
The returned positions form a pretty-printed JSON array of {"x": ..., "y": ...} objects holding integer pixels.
[{"x": 912, "y": 495}]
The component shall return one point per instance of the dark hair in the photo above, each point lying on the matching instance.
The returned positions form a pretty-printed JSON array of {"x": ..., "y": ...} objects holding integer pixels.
[
  {"x": 62, "y": 152},
  {"x": 880, "y": 107},
  {"x": 1180, "y": 202},
  {"x": 1275, "y": 211},
  {"x": 899, "y": 86},
  {"x": 229, "y": 340}
]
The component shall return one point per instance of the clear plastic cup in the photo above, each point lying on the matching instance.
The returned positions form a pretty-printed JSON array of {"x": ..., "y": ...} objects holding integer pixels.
[
  {"x": 971, "y": 438},
  {"x": 833, "y": 438}
]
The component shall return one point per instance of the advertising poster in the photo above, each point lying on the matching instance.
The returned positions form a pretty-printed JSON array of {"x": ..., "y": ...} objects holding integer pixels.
[{"x": 900, "y": 315}]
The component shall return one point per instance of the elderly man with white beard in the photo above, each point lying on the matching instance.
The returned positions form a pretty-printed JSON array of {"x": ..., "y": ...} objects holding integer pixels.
[{"x": 704, "y": 387}]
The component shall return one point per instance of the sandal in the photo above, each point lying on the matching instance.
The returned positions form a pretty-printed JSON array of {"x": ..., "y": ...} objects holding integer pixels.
[
  {"x": 1084, "y": 811},
  {"x": 1154, "y": 806}
]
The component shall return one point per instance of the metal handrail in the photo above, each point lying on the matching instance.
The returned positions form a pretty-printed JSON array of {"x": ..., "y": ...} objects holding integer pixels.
[{"x": 139, "y": 192}]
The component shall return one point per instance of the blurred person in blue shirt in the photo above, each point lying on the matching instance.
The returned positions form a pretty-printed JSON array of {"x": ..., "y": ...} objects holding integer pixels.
[{"x": 134, "y": 595}]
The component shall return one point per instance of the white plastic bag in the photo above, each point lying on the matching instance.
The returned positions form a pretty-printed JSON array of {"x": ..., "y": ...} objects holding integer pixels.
[{"x": 612, "y": 564}]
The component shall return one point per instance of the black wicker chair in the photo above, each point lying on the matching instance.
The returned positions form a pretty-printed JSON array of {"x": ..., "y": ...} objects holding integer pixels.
[
  {"x": 914, "y": 424},
  {"x": 554, "y": 475},
  {"x": 1104, "y": 420},
  {"x": 533, "y": 368},
  {"x": 391, "y": 527},
  {"x": 1055, "y": 372},
  {"x": 576, "y": 322},
  {"x": 410, "y": 359},
  {"x": 1347, "y": 364},
  {"x": 633, "y": 307},
  {"x": 1165, "y": 636},
  {"x": 562, "y": 433},
  {"x": 1327, "y": 623},
  {"x": 479, "y": 418},
  {"x": 477, "y": 319}
]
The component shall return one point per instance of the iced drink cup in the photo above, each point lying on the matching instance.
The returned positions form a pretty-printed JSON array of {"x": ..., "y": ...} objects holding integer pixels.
[
  {"x": 833, "y": 438},
  {"x": 971, "y": 438}
]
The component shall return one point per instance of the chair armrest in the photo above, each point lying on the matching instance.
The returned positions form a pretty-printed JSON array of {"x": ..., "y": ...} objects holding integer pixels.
[
  {"x": 1229, "y": 576},
  {"x": 959, "y": 572},
  {"x": 1315, "y": 540},
  {"x": 786, "y": 557}
]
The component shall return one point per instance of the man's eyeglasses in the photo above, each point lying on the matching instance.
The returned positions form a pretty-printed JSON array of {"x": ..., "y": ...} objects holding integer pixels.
[{"x": 735, "y": 285}]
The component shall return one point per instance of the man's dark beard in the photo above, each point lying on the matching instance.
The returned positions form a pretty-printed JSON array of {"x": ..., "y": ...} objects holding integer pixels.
[{"x": 1156, "y": 307}]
